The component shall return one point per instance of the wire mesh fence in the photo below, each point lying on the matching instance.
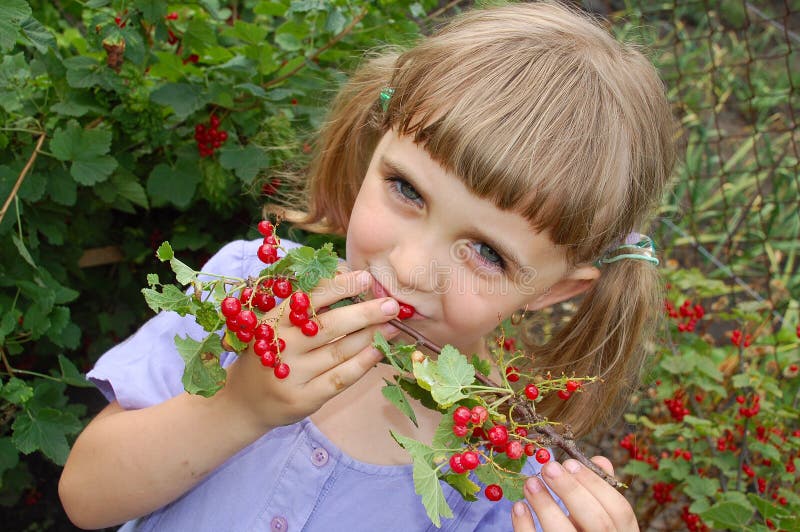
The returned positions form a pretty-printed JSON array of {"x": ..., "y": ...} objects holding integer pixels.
[{"x": 732, "y": 69}]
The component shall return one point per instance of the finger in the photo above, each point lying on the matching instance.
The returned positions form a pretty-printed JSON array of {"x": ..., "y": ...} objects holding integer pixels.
[
  {"x": 585, "y": 509},
  {"x": 346, "y": 284},
  {"x": 337, "y": 379},
  {"x": 613, "y": 502},
  {"x": 521, "y": 518},
  {"x": 549, "y": 513},
  {"x": 335, "y": 353},
  {"x": 339, "y": 322}
]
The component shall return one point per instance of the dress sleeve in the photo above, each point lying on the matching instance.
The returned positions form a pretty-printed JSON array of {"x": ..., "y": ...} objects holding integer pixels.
[{"x": 146, "y": 369}]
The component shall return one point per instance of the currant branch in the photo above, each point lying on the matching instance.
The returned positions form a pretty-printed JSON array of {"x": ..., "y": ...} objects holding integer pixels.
[{"x": 539, "y": 423}]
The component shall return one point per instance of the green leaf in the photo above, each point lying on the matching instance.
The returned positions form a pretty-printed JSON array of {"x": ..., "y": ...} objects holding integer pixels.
[
  {"x": 444, "y": 438},
  {"x": 199, "y": 36},
  {"x": 395, "y": 394},
  {"x": 311, "y": 265},
  {"x": 463, "y": 485},
  {"x": 183, "y": 98},
  {"x": 16, "y": 391},
  {"x": 733, "y": 515},
  {"x": 71, "y": 375},
  {"x": 39, "y": 36},
  {"x": 164, "y": 252},
  {"x": 183, "y": 273},
  {"x": 426, "y": 481},
  {"x": 445, "y": 377},
  {"x": 699, "y": 487},
  {"x": 152, "y": 278},
  {"x": 9, "y": 456},
  {"x": 246, "y": 162},
  {"x": 232, "y": 340},
  {"x": 413, "y": 389},
  {"x": 248, "y": 32},
  {"x": 153, "y": 11},
  {"x": 207, "y": 317},
  {"x": 45, "y": 431},
  {"x": 12, "y": 13},
  {"x": 87, "y": 150},
  {"x": 174, "y": 185},
  {"x": 170, "y": 298},
  {"x": 23, "y": 251},
  {"x": 481, "y": 365},
  {"x": 202, "y": 374}
]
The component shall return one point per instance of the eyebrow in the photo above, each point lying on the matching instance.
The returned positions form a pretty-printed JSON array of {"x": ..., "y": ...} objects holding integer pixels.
[{"x": 509, "y": 257}]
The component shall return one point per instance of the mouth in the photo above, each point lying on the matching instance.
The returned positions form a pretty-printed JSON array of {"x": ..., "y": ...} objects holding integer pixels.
[{"x": 379, "y": 291}]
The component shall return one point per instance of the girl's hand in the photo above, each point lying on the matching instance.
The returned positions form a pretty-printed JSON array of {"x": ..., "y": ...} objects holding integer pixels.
[
  {"x": 592, "y": 503},
  {"x": 322, "y": 365}
]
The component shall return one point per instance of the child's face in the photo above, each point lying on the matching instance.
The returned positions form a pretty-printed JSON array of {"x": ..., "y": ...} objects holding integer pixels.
[{"x": 432, "y": 244}]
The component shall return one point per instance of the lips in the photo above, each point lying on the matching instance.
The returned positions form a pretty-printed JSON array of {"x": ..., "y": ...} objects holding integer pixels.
[{"x": 378, "y": 291}]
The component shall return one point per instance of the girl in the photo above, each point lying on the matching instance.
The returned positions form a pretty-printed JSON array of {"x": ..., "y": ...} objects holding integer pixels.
[{"x": 491, "y": 168}]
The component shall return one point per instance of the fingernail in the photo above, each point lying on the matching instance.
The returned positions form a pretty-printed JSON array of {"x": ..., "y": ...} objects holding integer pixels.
[
  {"x": 533, "y": 485},
  {"x": 390, "y": 307},
  {"x": 573, "y": 466},
  {"x": 553, "y": 469},
  {"x": 519, "y": 509}
]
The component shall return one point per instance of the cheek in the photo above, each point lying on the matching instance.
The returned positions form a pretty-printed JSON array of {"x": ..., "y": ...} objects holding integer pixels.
[{"x": 367, "y": 231}]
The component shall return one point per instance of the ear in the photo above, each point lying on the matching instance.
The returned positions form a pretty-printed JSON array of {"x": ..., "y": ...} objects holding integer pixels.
[{"x": 576, "y": 282}]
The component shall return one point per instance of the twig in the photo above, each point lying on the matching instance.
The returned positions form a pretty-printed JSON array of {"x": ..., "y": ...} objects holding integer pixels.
[
  {"x": 6, "y": 363},
  {"x": 21, "y": 177},
  {"x": 336, "y": 38}
]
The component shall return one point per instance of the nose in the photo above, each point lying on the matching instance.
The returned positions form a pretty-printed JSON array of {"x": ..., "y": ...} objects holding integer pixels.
[{"x": 420, "y": 264}]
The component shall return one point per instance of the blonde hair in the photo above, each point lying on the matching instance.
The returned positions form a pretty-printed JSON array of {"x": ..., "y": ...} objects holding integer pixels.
[{"x": 540, "y": 111}]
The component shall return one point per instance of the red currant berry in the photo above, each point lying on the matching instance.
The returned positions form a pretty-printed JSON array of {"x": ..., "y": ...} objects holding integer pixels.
[
  {"x": 282, "y": 288},
  {"x": 232, "y": 325},
  {"x": 460, "y": 430},
  {"x": 214, "y": 121},
  {"x": 498, "y": 435},
  {"x": 282, "y": 370},
  {"x": 493, "y": 492},
  {"x": 223, "y": 136},
  {"x": 542, "y": 456},
  {"x": 244, "y": 336},
  {"x": 230, "y": 307},
  {"x": 199, "y": 129},
  {"x": 405, "y": 312},
  {"x": 309, "y": 328},
  {"x": 512, "y": 374},
  {"x": 265, "y": 228},
  {"x": 470, "y": 460},
  {"x": 268, "y": 359},
  {"x": 247, "y": 320},
  {"x": 280, "y": 344},
  {"x": 530, "y": 450},
  {"x": 271, "y": 240},
  {"x": 264, "y": 331},
  {"x": 299, "y": 302},
  {"x": 478, "y": 433},
  {"x": 298, "y": 318},
  {"x": 572, "y": 386},
  {"x": 264, "y": 302},
  {"x": 261, "y": 346},
  {"x": 478, "y": 415},
  {"x": 514, "y": 449},
  {"x": 461, "y": 415},
  {"x": 455, "y": 464},
  {"x": 267, "y": 254},
  {"x": 522, "y": 432},
  {"x": 246, "y": 295},
  {"x": 531, "y": 392},
  {"x": 564, "y": 394}
]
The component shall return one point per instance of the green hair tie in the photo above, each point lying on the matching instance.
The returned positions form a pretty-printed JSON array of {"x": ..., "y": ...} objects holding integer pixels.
[
  {"x": 645, "y": 246},
  {"x": 386, "y": 95}
]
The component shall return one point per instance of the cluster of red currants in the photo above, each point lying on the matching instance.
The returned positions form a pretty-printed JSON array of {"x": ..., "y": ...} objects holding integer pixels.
[
  {"x": 741, "y": 340},
  {"x": 636, "y": 452},
  {"x": 242, "y": 320},
  {"x": 693, "y": 521},
  {"x": 677, "y": 405},
  {"x": 662, "y": 492},
  {"x": 687, "y": 314},
  {"x": 496, "y": 438},
  {"x": 209, "y": 138},
  {"x": 754, "y": 407},
  {"x": 268, "y": 251}
]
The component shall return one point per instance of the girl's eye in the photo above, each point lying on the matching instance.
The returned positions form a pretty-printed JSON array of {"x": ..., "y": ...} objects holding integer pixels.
[
  {"x": 489, "y": 256},
  {"x": 404, "y": 189}
]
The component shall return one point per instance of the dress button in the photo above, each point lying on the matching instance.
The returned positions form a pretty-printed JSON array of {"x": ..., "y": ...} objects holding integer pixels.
[
  {"x": 319, "y": 457},
  {"x": 279, "y": 524}
]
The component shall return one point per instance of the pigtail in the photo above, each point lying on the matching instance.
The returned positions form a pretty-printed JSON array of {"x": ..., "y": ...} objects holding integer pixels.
[
  {"x": 343, "y": 151},
  {"x": 609, "y": 336}
]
